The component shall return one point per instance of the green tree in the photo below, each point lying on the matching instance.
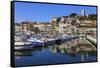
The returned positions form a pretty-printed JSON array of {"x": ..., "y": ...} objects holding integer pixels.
[
  {"x": 36, "y": 30},
  {"x": 92, "y": 16},
  {"x": 73, "y": 14}
]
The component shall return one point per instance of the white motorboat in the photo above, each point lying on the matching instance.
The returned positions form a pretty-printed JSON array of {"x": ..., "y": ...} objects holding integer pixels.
[
  {"x": 23, "y": 45},
  {"x": 36, "y": 41}
]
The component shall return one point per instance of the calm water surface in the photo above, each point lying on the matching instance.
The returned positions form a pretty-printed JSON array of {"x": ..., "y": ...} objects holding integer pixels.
[{"x": 68, "y": 52}]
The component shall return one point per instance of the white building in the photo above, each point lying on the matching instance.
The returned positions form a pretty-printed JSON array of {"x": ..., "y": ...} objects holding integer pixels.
[{"x": 83, "y": 12}]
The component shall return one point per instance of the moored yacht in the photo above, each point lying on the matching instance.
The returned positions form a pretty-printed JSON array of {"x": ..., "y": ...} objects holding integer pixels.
[
  {"x": 36, "y": 41},
  {"x": 23, "y": 45}
]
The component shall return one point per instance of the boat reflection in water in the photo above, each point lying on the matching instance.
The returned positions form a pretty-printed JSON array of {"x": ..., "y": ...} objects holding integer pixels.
[
  {"x": 72, "y": 51},
  {"x": 23, "y": 53}
]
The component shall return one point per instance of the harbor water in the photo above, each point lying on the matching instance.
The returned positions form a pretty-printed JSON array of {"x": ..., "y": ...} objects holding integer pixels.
[{"x": 71, "y": 51}]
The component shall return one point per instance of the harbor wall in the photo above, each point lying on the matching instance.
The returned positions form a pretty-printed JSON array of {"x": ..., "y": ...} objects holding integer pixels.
[{"x": 92, "y": 40}]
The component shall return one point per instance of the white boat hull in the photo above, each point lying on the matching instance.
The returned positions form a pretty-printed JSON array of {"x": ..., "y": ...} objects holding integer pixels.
[{"x": 23, "y": 46}]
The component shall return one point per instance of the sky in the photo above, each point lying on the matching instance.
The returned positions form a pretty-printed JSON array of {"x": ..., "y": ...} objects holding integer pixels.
[{"x": 39, "y": 12}]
